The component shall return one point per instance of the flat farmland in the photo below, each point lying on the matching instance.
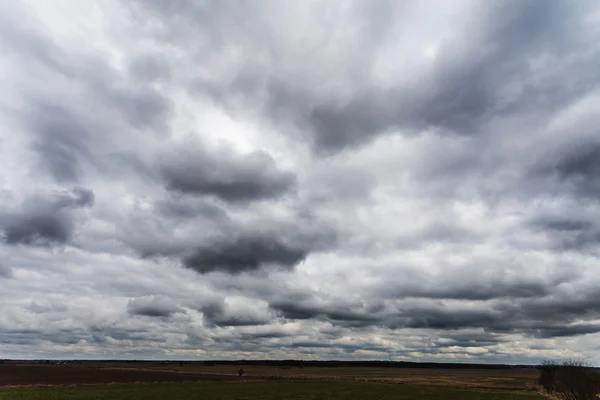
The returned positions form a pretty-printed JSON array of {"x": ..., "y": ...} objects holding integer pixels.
[
  {"x": 503, "y": 379},
  {"x": 158, "y": 381}
]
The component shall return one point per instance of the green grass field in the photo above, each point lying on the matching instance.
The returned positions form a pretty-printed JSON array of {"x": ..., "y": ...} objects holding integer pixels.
[{"x": 334, "y": 390}]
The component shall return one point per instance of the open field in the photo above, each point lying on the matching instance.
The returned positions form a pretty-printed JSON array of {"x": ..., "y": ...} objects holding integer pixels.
[
  {"x": 289, "y": 390},
  {"x": 158, "y": 381},
  {"x": 502, "y": 379}
]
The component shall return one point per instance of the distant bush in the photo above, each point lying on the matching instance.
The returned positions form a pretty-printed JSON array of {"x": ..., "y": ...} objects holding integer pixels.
[{"x": 571, "y": 380}]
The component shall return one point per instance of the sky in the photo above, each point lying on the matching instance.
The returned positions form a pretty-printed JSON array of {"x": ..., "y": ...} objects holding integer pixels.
[{"x": 350, "y": 180}]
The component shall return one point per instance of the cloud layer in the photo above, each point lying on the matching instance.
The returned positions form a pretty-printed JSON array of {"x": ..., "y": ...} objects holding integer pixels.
[{"x": 261, "y": 179}]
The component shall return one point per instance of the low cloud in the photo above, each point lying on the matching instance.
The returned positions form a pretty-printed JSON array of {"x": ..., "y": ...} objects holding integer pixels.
[
  {"x": 152, "y": 306},
  {"x": 240, "y": 254},
  {"x": 223, "y": 314},
  {"x": 224, "y": 174},
  {"x": 5, "y": 271},
  {"x": 45, "y": 220}
]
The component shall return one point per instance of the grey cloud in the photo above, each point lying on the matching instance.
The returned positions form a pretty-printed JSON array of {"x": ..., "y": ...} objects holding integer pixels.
[
  {"x": 45, "y": 220},
  {"x": 225, "y": 174},
  {"x": 564, "y": 224},
  {"x": 219, "y": 314},
  {"x": 43, "y": 229},
  {"x": 478, "y": 287},
  {"x": 61, "y": 141},
  {"x": 441, "y": 318},
  {"x": 469, "y": 338},
  {"x": 486, "y": 291},
  {"x": 77, "y": 197},
  {"x": 143, "y": 107},
  {"x": 69, "y": 140},
  {"x": 443, "y": 146},
  {"x": 185, "y": 208},
  {"x": 203, "y": 237},
  {"x": 336, "y": 312},
  {"x": 568, "y": 331},
  {"x": 465, "y": 88},
  {"x": 550, "y": 316},
  {"x": 461, "y": 96},
  {"x": 172, "y": 225},
  {"x": 569, "y": 225},
  {"x": 100, "y": 334},
  {"x": 152, "y": 306},
  {"x": 31, "y": 45},
  {"x": 535, "y": 308},
  {"x": 581, "y": 167},
  {"x": 569, "y": 306},
  {"x": 263, "y": 335},
  {"x": 554, "y": 313},
  {"x": 5, "y": 271},
  {"x": 149, "y": 67},
  {"x": 41, "y": 307},
  {"x": 36, "y": 337},
  {"x": 92, "y": 107},
  {"x": 246, "y": 253},
  {"x": 569, "y": 232}
]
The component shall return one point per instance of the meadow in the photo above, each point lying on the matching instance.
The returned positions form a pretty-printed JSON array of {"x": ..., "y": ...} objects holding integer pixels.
[{"x": 116, "y": 381}]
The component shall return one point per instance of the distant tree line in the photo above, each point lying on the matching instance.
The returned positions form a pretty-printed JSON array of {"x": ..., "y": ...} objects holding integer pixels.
[{"x": 285, "y": 363}]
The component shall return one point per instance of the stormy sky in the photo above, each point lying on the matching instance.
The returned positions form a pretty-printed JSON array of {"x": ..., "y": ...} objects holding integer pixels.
[{"x": 314, "y": 179}]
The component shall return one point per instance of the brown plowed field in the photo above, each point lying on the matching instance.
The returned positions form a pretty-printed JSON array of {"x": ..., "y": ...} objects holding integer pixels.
[{"x": 28, "y": 374}]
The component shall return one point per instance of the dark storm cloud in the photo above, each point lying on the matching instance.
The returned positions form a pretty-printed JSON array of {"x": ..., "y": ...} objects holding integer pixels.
[
  {"x": 551, "y": 316},
  {"x": 46, "y": 220},
  {"x": 172, "y": 225},
  {"x": 217, "y": 313},
  {"x": 564, "y": 224},
  {"x": 336, "y": 312},
  {"x": 225, "y": 174},
  {"x": 582, "y": 303},
  {"x": 152, "y": 306},
  {"x": 535, "y": 308},
  {"x": 581, "y": 168},
  {"x": 568, "y": 331},
  {"x": 485, "y": 291},
  {"x": 443, "y": 318},
  {"x": 555, "y": 312},
  {"x": 37, "y": 228},
  {"x": 203, "y": 237},
  {"x": 569, "y": 232},
  {"x": 478, "y": 287},
  {"x": 274, "y": 334},
  {"x": 416, "y": 317},
  {"x": 245, "y": 253},
  {"x": 469, "y": 338}
]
